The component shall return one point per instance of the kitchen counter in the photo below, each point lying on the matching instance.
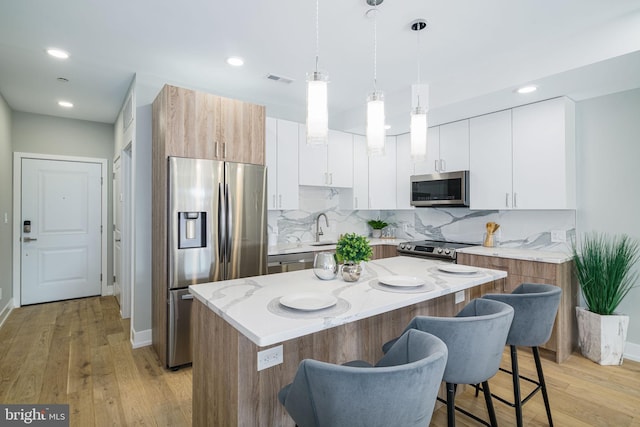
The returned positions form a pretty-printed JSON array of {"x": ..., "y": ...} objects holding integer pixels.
[
  {"x": 292, "y": 248},
  {"x": 521, "y": 254},
  {"x": 235, "y": 323},
  {"x": 251, "y": 305}
]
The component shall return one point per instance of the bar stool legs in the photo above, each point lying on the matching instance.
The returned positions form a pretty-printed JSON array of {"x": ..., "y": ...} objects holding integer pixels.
[{"x": 543, "y": 385}]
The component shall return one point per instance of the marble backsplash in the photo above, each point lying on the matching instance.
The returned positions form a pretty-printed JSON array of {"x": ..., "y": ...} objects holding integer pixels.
[{"x": 518, "y": 229}]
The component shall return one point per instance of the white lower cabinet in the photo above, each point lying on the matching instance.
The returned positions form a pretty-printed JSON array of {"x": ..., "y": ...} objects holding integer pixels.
[{"x": 282, "y": 164}]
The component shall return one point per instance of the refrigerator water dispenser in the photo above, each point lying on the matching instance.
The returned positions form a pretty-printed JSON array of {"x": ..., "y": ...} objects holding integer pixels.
[{"x": 192, "y": 230}]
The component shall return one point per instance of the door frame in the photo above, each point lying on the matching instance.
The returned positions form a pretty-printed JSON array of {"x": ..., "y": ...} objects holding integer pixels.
[{"x": 17, "y": 215}]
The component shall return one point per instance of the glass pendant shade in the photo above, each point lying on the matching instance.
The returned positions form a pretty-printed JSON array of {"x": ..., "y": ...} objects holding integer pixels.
[
  {"x": 317, "y": 110},
  {"x": 418, "y": 133},
  {"x": 375, "y": 123}
]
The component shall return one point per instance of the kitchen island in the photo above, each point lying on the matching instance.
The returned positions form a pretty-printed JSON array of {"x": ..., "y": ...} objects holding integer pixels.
[{"x": 233, "y": 320}]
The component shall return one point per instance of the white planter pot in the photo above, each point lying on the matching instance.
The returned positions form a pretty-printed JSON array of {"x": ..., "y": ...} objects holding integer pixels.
[
  {"x": 376, "y": 234},
  {"x": 601, "y": 338}
]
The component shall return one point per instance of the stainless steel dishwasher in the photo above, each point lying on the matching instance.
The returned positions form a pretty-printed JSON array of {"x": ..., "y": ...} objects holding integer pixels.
[{"x": 290, "y": 262}]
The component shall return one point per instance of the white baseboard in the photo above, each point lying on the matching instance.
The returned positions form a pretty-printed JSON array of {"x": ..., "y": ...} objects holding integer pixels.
[
  {"x": 4, "y": 313},
  {"x": 632, "y": 351},
  {"x": 140, "y": 339}
]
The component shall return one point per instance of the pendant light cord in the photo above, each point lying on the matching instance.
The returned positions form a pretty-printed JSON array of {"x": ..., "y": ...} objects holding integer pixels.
[
  {"x": 317, "y": 33},
  {"x": 375, "y": 49}
]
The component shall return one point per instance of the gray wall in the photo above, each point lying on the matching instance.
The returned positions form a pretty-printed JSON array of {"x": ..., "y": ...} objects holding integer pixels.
[
  {"x": 6, "y": 203},
  {"x": 608, "y": 169},
  {"x": 142, "y": 222},
  {"x": 36, "y": 133}
]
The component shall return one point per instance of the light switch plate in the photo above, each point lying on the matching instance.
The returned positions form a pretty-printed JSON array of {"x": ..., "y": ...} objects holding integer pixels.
[{"x": 270, "y": 357}]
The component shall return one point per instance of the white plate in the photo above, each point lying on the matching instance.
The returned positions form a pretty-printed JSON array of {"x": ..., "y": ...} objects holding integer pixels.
[
  {"x": 308, "y": 301},
  {"x": 457, "y": 269},
  {"x": 401, "y": 281}
]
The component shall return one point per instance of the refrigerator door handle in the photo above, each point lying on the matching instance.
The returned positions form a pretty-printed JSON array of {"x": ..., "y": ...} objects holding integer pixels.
[
  {"x": 229, "y": 222},
  {"x": 222, "y": 238}
]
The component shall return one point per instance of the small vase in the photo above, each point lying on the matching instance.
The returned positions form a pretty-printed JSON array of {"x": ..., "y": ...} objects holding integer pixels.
[
  {"x": 325, "y": 266},
  {"x": 376, "y": 233},
  {"x": 351, "y": 271}
]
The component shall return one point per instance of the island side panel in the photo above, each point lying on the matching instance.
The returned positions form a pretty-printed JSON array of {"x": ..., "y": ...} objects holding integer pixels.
[{"x": 229, "y": 390}]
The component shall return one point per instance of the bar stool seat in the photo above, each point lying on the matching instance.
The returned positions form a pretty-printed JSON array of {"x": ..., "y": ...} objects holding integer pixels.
[
  {"x": 535, "y": 308},
  {"x": 400, "y": 390},
  {"x": 475, "y": 338}
]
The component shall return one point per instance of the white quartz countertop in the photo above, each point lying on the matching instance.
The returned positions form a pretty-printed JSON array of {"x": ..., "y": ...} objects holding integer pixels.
[
  {"x": 252, "y": 305},
  {"x": 516, "y": 253},
  {"x": 292, "y": 248}
]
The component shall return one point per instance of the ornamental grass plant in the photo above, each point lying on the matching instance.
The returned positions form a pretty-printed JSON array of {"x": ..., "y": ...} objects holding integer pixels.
[{"x": 604, "y": 268}]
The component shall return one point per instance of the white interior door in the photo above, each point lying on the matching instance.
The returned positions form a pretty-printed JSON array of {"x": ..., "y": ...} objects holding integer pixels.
[
  {"x": 117, "y": 230},
  {"x": 61, "y": 230}
]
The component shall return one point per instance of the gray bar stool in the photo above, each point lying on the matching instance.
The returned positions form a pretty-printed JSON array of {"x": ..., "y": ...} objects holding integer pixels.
[
  {"x": 475, "y": 338},
  {"x": 400, "y": 390},
  {"x": 535, "y": 307}
]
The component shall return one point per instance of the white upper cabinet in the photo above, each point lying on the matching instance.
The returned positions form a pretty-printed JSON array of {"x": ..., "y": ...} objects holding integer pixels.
[
  {"x": 360, "y": 173},
  {"x": 282, "y": 164},
  {"x": 454, "y": 146},
  {"x": 490, "y": 177},
  {"x": 382, "y": 177},
  {"x": 524, "y": 158},
  {"x": 328, "y": 165},
  {"x": 447, "y": 149},
  {"x": 544, "y": 155},
  {"x": 404, "y": 170}
]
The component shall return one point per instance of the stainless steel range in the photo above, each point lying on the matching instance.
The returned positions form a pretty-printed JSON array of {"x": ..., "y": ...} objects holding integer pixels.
[{"x": 432, "y": 249}]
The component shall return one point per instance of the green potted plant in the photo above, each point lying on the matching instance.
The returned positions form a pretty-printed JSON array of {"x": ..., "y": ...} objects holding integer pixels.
[
  {"x": 604, "y": 269},
  {"x": 351, "y": 250},
  {"x": 376, "y": 227}
]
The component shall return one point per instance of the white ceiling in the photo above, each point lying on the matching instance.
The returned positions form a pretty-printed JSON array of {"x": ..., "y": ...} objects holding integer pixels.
[{"x": 473, "y": 54}]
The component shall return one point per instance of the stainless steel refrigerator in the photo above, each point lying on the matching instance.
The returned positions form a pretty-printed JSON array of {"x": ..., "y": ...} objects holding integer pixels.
[{"x": 217, "y": 230}]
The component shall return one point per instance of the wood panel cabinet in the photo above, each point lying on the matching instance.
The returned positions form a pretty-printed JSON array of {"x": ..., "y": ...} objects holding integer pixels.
[
  {"x": 187, "y": 123},
  {"x": 282, "y": 164},
  {"x": 564, "y": 336},
  {"x": 384, "y": 251}
]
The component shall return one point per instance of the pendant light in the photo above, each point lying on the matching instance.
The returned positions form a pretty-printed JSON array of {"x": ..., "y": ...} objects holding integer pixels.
[
  {"x": 317, "y": 109},
  {"x": 419, "y": 92},
  {"x": 375, "y": 101}
]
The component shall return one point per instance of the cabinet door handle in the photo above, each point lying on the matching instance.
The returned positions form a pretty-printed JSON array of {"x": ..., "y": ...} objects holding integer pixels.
[
  {"x": 515, "y": 200},
  {"x": 355, "y": 199},
  {"x": 224, "y": 150},
  {"x": 280, "y": 201},
  {"x": 274, "y": 201},
  {"x": 443, "y": 165},
  {"x": 506, "y": 200},
  {"x": 435, "y": 165},
  {"x": 216, "y": 147},
  {"x": 331, "y": 178}
]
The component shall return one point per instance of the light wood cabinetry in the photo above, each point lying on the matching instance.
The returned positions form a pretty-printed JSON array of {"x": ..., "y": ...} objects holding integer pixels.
[
  {"x": 564, "y": 336},
  {"x": 384, "y": 251},
  {"x": 329, "y": 165},
  {"x": 186, "y": 123},
  {"x": 524, "y": 158},
  {"x": 382, "y": 177},
  {"x": 282, "y": 164},
  {"x": 447, "y": 149}
]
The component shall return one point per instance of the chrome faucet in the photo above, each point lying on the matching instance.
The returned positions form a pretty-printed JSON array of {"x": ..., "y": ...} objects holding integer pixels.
[{"x": 318, "y": 228}]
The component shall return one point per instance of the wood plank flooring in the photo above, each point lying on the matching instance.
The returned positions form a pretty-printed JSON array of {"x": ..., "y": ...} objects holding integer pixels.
[{"x": 78, "y": 352}]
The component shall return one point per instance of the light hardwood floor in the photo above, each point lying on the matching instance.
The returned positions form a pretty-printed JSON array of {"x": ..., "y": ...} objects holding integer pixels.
[{"x": 78, "y": 352}]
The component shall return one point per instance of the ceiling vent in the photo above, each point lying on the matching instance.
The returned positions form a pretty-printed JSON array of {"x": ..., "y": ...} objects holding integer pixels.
[{"x": 280, "y": 79}]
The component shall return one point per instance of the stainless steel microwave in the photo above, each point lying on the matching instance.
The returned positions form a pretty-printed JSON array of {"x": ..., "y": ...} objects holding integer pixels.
[{"x": 440, "y": 189}]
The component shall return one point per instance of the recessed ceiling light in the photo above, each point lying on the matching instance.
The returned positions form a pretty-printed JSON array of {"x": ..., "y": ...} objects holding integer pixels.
[
  {"x": 58, "y": 53},
  {"x": 527, "y": 89},
  {"x": 236, "y": 61},
  {"x": 65, "y": 104}
]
